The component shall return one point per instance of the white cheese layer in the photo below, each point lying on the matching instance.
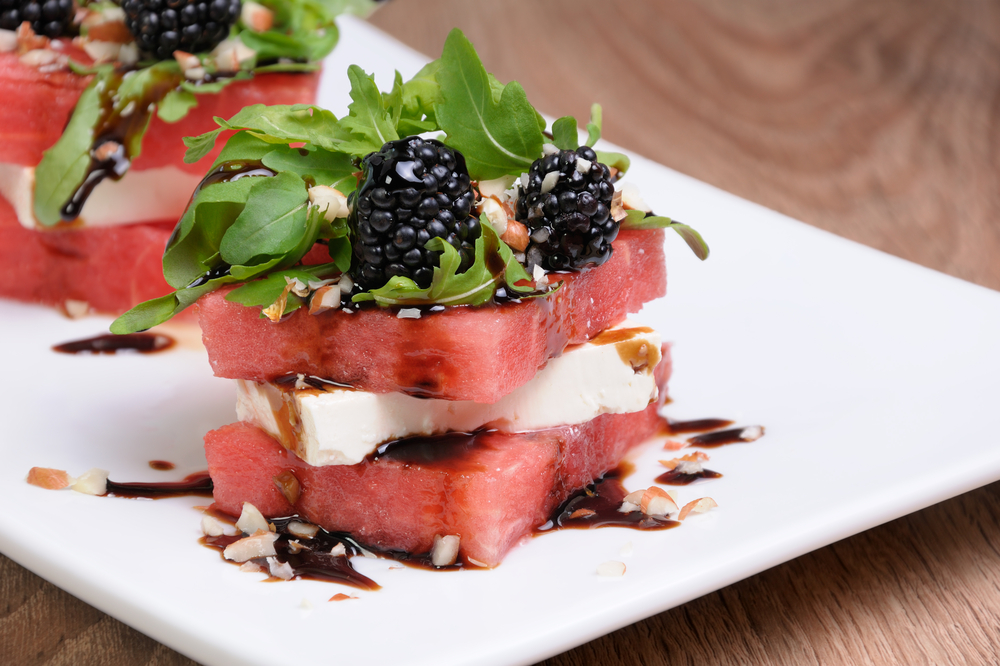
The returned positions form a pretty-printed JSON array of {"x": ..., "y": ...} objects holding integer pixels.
[
  {"x": 150, "y": 195},
  {"x": 612, "y": 374}
]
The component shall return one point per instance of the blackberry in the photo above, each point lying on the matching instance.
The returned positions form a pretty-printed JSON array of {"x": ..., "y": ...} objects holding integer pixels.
[
  {"x": 412, "y": 190},
  {"x": 161, "y": 27},
  {"x": 569, "y": 222},
  {"x": 51, "y": 18}
]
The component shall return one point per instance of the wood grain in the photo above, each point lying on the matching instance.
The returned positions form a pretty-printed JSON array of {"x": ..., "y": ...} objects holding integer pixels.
[{"x": 875, "y": 120}]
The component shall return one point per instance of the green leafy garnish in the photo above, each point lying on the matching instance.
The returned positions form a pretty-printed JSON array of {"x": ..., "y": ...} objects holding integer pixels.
[
  {"x": 369, "y": 121},
  {"x": 497, "y": 137},
  {"x": 636, "y": 219},
  {"x": 263, "y": 293},
  {"x": 449, "y": 287},
  {"x": 304, "y": 31},
  {"x": 251, "y": 220},
  {"x": 564, "y": 134},
  {"x": 65, "y": 165}
]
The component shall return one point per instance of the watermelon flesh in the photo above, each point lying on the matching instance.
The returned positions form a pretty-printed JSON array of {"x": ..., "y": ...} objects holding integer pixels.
[
  {"x": 113, "y": 268},
  {"x": 45, "y": 101},
  {"x": 492, "y": 489},
  {"x": 110, "y": 268},
  {"x": 463, "y": 353}
]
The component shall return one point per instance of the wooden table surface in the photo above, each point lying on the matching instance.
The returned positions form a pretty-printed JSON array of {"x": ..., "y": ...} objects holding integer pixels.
[{"x": 878, "y": 121}]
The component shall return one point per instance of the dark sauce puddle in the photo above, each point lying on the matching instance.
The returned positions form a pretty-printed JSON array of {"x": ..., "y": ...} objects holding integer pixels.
[
  {"x": 198, "y": 484},
  {"x": 597, "y": 506},
  {"x": 143, "y": 343}
]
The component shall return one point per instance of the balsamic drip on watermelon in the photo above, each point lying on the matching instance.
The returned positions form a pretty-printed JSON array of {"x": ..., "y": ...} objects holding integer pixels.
[
  {"x": 674, "y": 477},
  {"x": 308, "y": 557},
  {"x": 597, "y": 506},
  {"x": 198, "y": 484},
  {"x": 117, "y": 134},
  {"x": 143, "y": 343}
]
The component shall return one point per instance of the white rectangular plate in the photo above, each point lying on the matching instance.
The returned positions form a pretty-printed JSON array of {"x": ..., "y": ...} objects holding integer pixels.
[{"x": 873, "y": 376}]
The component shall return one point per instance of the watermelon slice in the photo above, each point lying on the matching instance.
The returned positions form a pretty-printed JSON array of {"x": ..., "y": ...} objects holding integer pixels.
[
  {"x": 112, "y": 269},
  {"x": 491, "y": 488},
  {"x": 46, "y": 100},
  {"x": 463, "y": 353}
]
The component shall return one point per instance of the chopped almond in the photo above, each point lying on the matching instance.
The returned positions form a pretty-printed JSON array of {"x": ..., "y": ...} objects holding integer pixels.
[
  {"x": 212, "y": 526},
  {"x": 698, "y": 506},
  {"x": 257, "y": 17},
  {"x": 301, "y": 529},
  {"x": 289, "y": 486},
  {"x": 611, "y": 569},
  {"x": 110, "y": 31},
  {"x": 444, "y": 552},
  {"x": 8, "y": 41},
  {"x": 583, "y": 513},
  {"x": 252, "y": 520},
  {"x": 325, "y": 298},
  {"x": 674, "y": 445},
  {"x": 248, "y": 548},
  {"x": 106, "y": 150},
  {"x": 92, "y": 482},
  {"x": 516, "y": 235},
  {"x": 656, "y": 502},
  {"x": 27, "y": 40},
  {"x": 186, "y": 60},
  {"x": 50, "y": 479},
  {"x": 617, "y": 209}
]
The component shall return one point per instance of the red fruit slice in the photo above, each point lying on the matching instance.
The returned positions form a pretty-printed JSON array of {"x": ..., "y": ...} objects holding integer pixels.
[
  {"x": 45, "y": 102},
  {"x": 491, "y": 489},
  {"x": 111, "y": 268},
  {"x": 463, "y": 353}
]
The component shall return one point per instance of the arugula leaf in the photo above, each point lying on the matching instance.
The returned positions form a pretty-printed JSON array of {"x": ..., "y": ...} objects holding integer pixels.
[
  {"x": 340, "y": 252},
  {"x": 151, "y": 313},
  {"x": 369, "y": 121},
  {"x": 594, "y": 126},
  {"x": 616, "y": 160},
  {"x": 564, "y": 133},
  {"x": 64, "y": 165},
  {"x": 199, "y": 146},
  {"x": 637, "y": 219},
  {"x": 299, "y": 123},
  {"x": 449, "y": 287},
  {"x": 421, "y": 93},
  {"x": 264, "y": 292},
  {"x": 216, "y": 86},
  {"x": 271, "y": 223},
  {"x": 193, "y": 248},
  {"x": 175, "y": 105},
  {"x": 321, "y": 167},
  {"x": 393, "y": 100},
  {"x": 496, "y": 137}
]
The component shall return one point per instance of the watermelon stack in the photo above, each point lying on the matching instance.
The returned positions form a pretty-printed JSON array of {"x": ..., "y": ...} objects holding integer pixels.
[
  {"x": 489, "y": 489},
  {"x": 109, "y": 268}
]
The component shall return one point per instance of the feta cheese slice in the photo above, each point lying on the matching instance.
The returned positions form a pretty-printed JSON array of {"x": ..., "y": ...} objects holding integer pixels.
[
  {"x": 612, "y": 374},
  {"x": 149, "y": 195}
]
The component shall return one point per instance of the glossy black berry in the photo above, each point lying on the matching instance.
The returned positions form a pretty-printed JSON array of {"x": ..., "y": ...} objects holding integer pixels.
[
  {"x": 412, "y": 190},
  {"x": 52, "y": 18},
  {"x": 161, "y": 27},
  {"x": 566, "y": 206}
]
